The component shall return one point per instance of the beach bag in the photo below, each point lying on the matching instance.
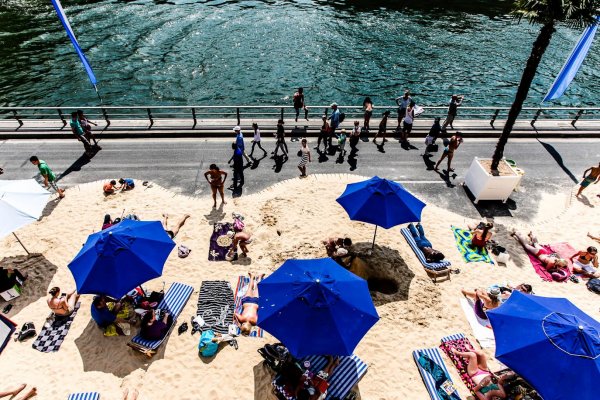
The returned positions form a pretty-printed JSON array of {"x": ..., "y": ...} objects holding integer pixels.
[
  {"x": 342, "y": 117},
  {"x": 183, "y": 251},
  {"x": 27, "y": 331},
  {"x": 594, "y": 285},
  {"x": 206, "y": 347},
  {"x": 238, "y": 225}
]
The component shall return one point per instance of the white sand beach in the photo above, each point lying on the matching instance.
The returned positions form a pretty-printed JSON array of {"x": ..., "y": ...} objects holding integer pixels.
[{"x": 288, "y": 220}]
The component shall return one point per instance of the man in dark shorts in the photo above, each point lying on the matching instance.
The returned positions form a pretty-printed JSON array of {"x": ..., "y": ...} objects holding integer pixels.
[
  {"x": 588, "y": 179},
  {"x": 299, "y": 103},
  {"x": 173, "y": 232},
  {"x": 455, "y": 102}
]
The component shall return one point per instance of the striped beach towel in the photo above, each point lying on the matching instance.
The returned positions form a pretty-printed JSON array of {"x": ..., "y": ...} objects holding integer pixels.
[
  {"x": 215, "y": 306},
  {"x": 240, "y": 291},
  {"x": 435, "y": 374},
  {"x": 84, "y": 396},
  {"x": 460, "y": 342},
  {"x": 344, "y": 377},
  {"x": 470, "y": 253}
]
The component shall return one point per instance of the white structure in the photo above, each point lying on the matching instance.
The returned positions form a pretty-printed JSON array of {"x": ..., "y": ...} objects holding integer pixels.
[{"x": 485, "y": 186}]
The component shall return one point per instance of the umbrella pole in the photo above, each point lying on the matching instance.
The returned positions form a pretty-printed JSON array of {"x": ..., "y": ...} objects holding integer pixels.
[
  {"x": 21, "y": 243},
  {"x": 374, "y": 235}
]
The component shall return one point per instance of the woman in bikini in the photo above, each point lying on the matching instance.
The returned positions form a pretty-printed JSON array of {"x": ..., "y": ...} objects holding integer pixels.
[
  {"x": 62, "y": 306},
  {"x": 249, "y": 316},
  {"x": 216, "y": 178},
  {"x": 368, "y": 108},
  {"x": 488, "y": 386},
  {"x": 484, "y": 300},
  {"x": 586, "y": 262},
  {"x": 481, "y": 234},
  {"x": 551, "y": 261}
]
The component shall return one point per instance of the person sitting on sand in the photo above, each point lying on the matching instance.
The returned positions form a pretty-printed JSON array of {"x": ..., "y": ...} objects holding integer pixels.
[
  {"x": 173, "y": 232},
  {"x": 488, "y": 385},
  {"x": 482, "y": 234},
  {"x": 484, "y": 300},
  {"x": 126, "y": 184},
  {"x": 316, "y": 387},
  {"x": 507, "y": 290},
  {"x": 108, "y": 222},
  {"x": 551, "y": 261},
  {"x": 154, "y": 329},
  {"x": 110, "y": 187},
  {"x": 418, "y": 234},
  {"x": 104, "y": 313},
  {"x": 62, "y": 306},
  {"x": 334, "y": 246},
  {"x": 241, "y": 239},
  {"x": 249, "y": 316},
  {"x": 586, "y": 262},
  {"x": 216, "y": 178},
  {"x": 14, "y": 392}
]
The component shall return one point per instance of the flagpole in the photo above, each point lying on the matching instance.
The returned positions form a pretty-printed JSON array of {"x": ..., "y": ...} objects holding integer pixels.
[{"x": 98, "y": 94}]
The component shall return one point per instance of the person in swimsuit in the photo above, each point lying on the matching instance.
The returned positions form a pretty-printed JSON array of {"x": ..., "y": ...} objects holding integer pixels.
[
  {"x": 368, "y": 108},
  {"x": 216, "y": 178},
  {"x": 455, "y": 142},
  {"x": 62, "y": 306},
  {"x": 488, "y": 386},
  {"x": 172, "y": 233},
  {"x": 323, "y": 134},
  {"x": 588, "y": 179},
  {"x": 551, "y": 261},
  {"x": 249, "y": 316},
  {"x": 14, "y": 392},
  {"x": 481, "y": 234},
  {"x": 305, "y": 154},
  {"x": 586, "y": 262},
  {"x": 484, "y": 300}
]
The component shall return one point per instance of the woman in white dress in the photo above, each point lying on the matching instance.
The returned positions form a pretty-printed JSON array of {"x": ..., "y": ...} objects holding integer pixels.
[{"x": 305, "y": 154}]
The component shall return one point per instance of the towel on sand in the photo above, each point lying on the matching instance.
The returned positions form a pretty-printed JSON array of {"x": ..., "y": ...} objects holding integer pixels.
[
  {"x": 215, "y": 306},
  {"x": 470, "y": 253},
  {"x": 240, "y": 291},
  {"x": 220, "y": 243},
  {"x": 54, "y": 332},
  {"x": 565, "y": 250},
  {"x": 482, "y": 329}
]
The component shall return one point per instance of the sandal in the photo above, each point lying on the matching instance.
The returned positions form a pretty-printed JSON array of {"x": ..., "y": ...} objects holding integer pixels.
[{"x": 574, "y": 279}]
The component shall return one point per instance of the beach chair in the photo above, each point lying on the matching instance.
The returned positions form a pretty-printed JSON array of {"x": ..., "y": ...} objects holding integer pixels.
[
  {"x": 436, "y": 377},
  {"x": 433, "y": 269},
  {"x": 84, "y": 396},
  {"x": 173, "y": 302}
]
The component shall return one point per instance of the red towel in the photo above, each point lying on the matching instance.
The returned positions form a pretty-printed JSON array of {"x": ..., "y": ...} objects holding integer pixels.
[{"x": 565, "y": 250}]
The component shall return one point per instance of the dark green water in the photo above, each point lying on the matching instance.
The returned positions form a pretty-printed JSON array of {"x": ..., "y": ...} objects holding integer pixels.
[{"x": 224, "y": 52}]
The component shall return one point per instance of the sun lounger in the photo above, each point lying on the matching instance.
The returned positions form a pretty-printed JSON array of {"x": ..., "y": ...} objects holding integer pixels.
[
  {"x": 433, "y": 269},
  {"x": 460, "y": 342},
  {"x": 173, "y": 302},
  {"x": 435, "y": 374},
  {"x": 84, "y": 396}
]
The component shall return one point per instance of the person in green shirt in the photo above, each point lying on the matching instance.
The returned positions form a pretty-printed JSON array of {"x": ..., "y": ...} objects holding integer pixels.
[
  {"x": 49, "y": 177},
  {"x": 78, "y": 131}
]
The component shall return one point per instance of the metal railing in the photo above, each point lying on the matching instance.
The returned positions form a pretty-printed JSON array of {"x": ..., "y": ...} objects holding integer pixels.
[{"x": 196, "y": 114}]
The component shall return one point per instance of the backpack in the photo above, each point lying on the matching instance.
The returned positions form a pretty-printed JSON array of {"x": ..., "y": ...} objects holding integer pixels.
[
  {"x": 342, "y": 117},
  {"x": 183, "y": 251},
  {"x": 594, "y": 285},
  {"x": 27, "y": 331},
  {"x": 206, "y": 347}
]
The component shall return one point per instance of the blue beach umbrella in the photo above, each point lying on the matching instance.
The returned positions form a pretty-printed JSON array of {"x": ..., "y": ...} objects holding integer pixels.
[
  {"x": 380, "y": 202},
  {"x": 316, "y": 307},
  {"x": 551, "y": 343},
  {"x": 118, "y": 259}
]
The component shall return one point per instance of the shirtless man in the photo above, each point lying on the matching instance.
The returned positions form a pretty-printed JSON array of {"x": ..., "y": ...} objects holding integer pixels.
[
  {"x": 592, "y": 177},
  {"x": 551, "y": 261},
  {"x": 249, "y": 316},
  {"x": 586, "y": 262},
  {"x": 172, "y": 233},
  {"x": 455, "y": 141},
  {"x": 216, "y": 178},
  {"x": 62, "y": 306}
]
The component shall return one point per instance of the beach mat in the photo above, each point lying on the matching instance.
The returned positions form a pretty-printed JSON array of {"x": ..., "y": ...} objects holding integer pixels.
[
  {"x": 482, "y": 329},
  {"x": 470, "y": 253},
  {"x": 565, "y": 250},
  {"x": 220, "y": 243},
  {"x": 53, "y": 333},
  {"x": 7, "y": 328},
  {"x": 240, "y": 291},
  {"x": 461, "y": 343},
  {"x": 215, "y": 306}
]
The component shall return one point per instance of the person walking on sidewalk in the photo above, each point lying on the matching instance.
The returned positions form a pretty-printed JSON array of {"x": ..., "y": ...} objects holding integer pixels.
[
  {"x": 299, "y": 103},
  {"x": 368, "y": 108},
  {"x": 79, "y": 133},
  {"x": 591, "y": 175},
  {"x": 256, "y": 140},
  {"x": 335, "y": 121},
  {"x": 382, "y": 127},
  {"x": 409, "y": 118},
  {"x": 86, "y": 124},
  {"x": 305, "y": 154},
  {"x": 280, "y": 140},
  {"x": 239, "y": 143},
  {"x": 403, "y": 102},
  {"x": 455, "y": 102},
  {"x": 354, "y": 138},
  {"x": 323, "y": 134},
  {"x": 47, "y": 174},
  {"x": 453, "y": 144}
]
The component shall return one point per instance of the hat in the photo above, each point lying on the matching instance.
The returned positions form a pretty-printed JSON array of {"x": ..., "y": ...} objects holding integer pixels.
[
  {"x": 343, "y": 131},
  {"x": 495, "y": 291},
  {"x": 237, "y": 128},
  {"x": 334, "y": 104}
]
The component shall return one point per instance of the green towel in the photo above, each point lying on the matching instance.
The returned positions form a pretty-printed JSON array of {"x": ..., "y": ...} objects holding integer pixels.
[{"x": 470, "y": 253}]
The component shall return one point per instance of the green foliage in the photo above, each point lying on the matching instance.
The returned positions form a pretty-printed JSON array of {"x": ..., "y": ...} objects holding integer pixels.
[{"x": 574, "y": 13}]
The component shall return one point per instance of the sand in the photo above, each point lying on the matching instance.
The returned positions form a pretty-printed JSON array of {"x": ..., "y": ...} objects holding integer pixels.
[{"x": 288, "y": 220}]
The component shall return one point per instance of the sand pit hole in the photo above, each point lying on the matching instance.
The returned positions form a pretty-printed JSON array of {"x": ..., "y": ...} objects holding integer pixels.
[{"x": 383, "y": 285}]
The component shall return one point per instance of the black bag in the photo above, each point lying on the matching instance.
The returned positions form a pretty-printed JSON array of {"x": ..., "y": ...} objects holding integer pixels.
[
  {"x": 27, "y": 331},
  {"x": 342, "y": 117},
  {"x": 275, "y": 355},
  {"x": 594, "y": 285}
]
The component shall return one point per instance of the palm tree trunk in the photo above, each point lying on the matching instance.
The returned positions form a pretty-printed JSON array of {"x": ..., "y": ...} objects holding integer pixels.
[{"x": 539, "y": 47}]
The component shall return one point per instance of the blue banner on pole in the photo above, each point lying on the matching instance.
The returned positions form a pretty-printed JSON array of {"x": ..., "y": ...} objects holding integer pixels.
[
  {"x": 573, "y": 63},
  {"x": 63, "y": 19}
]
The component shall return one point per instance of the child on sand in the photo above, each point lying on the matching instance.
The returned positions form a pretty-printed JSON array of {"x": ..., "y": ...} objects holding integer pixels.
[{"x": 126, "y": 184}]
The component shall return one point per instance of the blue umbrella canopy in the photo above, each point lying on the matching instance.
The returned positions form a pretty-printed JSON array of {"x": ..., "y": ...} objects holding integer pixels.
[
  {"x": 316, "y": 307},
  {"x": 118, "y": 259},
  {"x": 381, "y": 202},
  {"x": 551, "y": 343}
]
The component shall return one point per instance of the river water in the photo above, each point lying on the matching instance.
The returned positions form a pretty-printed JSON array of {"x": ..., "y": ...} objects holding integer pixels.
[{"x": 226, "y": 52}]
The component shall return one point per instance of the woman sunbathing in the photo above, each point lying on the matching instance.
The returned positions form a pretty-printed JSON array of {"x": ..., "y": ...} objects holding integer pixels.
[
  {"x": 488, "y": 386},
  {"x": 484, "y": 300},
  {"x": 249, "y": 316},
  {"x": 62, "y": 306},
  {"x": 551, "y": 261},
  {"x": 586, "y": 262},
  {"x": 481, "y": 234}
]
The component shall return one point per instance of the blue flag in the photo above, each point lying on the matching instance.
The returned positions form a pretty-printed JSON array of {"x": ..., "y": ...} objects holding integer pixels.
[
  {"x": 63, "y": 19},
  {"x": 569, "y": 70}
]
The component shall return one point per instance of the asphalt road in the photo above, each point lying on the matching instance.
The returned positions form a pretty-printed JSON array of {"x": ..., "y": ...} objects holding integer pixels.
[{"x": 550, "y": 165}]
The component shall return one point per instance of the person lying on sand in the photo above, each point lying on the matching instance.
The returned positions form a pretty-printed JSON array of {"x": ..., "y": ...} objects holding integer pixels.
[
  {"x": 14, "y": 392},
  {"x": 249, "y": 316},
  {"x": 484, "y": 299},
  {"x": 62, "y": 306},
  {"x": 488, "y": 385},
  {"x": 173, "y": 232},
  {"x": 551, "y": 261},
  {"x": 586, "y": 262}
]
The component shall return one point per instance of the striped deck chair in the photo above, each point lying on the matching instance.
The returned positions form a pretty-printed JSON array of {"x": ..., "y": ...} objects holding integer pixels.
[
  {"x": 174, "y": 300},
  {"x": 347, "y": 374},
  {"x": 460, "y": 342},
  {"x": 433, "y": 269},
  {"x": 240, "y": 291},
  {"x": 84, "y": 396},
  {"x": 436, "y": 377}
]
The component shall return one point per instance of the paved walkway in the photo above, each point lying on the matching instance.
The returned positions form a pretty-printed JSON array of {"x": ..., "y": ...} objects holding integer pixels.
[{"x": 552, "y": 166}]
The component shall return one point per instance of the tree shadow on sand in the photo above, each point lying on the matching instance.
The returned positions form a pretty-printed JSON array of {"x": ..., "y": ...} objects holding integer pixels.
[
  {"x": 39, "y": 274},
  {"x": 111, "y": 354}
]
